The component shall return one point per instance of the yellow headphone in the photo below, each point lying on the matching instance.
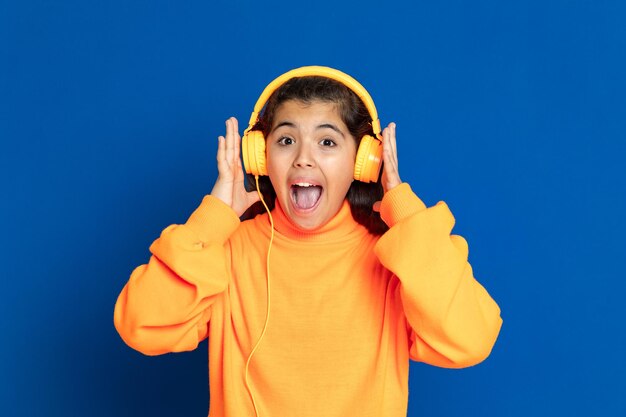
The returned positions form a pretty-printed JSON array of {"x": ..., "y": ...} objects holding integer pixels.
[{"x": 369, "y": 155}]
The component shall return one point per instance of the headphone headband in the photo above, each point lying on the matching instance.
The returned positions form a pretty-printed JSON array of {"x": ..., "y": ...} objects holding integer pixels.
[{"x": 321, "y": 71}]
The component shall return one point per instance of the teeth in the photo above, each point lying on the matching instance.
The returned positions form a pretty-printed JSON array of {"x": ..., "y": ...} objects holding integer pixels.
[{"x": 304, "y": 184}]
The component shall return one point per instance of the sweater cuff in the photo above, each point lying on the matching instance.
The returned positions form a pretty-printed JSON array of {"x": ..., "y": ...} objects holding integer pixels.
[
  {"x": 213, "y": 220},
  {"x": 399, "y": 203}
]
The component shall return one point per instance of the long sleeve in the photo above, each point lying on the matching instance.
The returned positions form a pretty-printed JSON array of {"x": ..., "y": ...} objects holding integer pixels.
[
  {"x": 166, "y": 304},
  {"x": 453, "y": 321}
]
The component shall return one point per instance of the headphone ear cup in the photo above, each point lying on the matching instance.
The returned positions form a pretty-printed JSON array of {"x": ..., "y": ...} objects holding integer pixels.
[
  {"x": 253, "y": 151},
  {"x": 368, "y": 160}
]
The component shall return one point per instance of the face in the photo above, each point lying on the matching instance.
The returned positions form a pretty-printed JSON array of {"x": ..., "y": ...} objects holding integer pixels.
[{"x": 310, "y": 161}]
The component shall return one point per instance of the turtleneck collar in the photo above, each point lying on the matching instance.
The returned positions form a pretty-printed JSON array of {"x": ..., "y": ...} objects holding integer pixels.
[{"x": 339, "y": 227}]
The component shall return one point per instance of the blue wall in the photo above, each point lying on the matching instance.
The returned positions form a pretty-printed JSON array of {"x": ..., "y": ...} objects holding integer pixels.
[{"x": 514, "y": 113}]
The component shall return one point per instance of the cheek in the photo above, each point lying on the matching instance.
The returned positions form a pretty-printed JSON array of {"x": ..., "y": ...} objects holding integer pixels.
[
  {"x": 343, "y": 174},
  {"x": 347, "y": 182},
  {"x": 276, "y": 171}
]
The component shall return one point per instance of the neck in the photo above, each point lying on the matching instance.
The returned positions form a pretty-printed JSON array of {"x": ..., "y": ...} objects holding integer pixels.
[{"x": 341, "y": 225}]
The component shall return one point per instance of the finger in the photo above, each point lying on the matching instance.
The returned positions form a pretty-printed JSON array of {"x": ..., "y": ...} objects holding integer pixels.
[
  {"x": 221, "y": 154},
  {"x": 392, "y": 145},
  {"x": 239, "y": 175},
  {"x": 388, "y": 145},
  {"x": 391, "y": 167},
  {"x": 234, "y": 125},
  {"x": 376, "y": 206},
  {"x": 387, "y": 150},
  {"x": 391, "y": 176},
  {"x": 237, "y": 150},
  {"x": 392, "y": 141},
  {"x": 229, "y": 143}
]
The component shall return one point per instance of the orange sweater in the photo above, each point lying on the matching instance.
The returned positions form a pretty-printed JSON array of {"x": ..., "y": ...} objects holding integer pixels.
[{"x": 348, "y": 309}]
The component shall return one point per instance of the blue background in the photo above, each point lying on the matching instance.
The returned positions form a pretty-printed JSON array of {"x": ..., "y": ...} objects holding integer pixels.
[{"x": 514, "y": 113}]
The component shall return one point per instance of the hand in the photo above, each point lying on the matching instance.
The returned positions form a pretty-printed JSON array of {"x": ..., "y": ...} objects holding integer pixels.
[
  {"x": 391, "y": 176},
  {"x": 229, "y": 186}
]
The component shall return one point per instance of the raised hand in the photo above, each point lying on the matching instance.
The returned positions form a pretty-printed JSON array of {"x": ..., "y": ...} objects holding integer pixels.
[
  {"x": 391, "y": 176},
  {"x": 229, "y": 186}
]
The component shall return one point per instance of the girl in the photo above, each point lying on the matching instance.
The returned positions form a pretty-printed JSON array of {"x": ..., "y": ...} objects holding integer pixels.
[{"x": 325, "y": 323}]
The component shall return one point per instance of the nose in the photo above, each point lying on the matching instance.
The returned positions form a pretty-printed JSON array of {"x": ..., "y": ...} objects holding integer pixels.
[{"x": 304, "y": 157}]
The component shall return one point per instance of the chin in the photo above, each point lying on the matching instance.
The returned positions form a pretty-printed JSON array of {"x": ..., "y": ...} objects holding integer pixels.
[{"x": 306, "y": 223}]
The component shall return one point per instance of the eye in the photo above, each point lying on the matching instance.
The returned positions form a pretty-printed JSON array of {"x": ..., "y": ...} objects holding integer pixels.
[
  {"x": 285, "y": 141},
  {"x": 328, "y": 142}
]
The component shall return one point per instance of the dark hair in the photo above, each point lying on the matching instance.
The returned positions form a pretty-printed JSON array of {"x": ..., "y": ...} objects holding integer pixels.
[{"x": 354, "y": 114}]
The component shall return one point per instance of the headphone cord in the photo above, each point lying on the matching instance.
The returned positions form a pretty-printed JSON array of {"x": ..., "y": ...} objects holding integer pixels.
[{"x": 267, "y": 316}]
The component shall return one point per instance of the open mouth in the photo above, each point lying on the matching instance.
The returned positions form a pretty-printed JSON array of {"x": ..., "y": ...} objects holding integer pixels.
[{"x": 305, "y": 196}]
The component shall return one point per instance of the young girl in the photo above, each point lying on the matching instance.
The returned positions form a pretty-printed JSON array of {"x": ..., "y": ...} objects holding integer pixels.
[{"x": 316, "y": 308}]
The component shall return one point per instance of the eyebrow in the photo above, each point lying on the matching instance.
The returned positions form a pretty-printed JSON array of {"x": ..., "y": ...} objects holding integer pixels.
[
  {"x": 322, "y": 126},
  {"x": 330, "y": 126}
]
